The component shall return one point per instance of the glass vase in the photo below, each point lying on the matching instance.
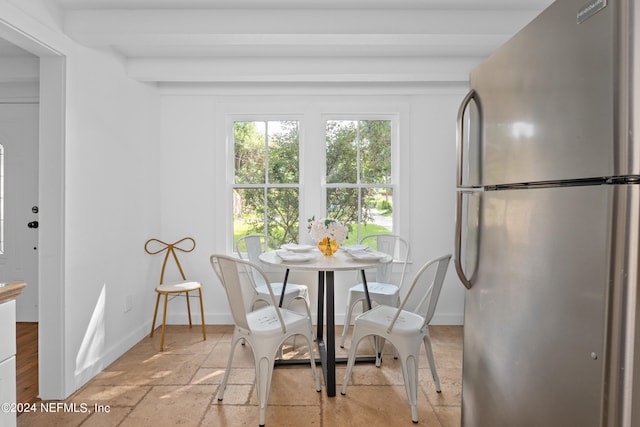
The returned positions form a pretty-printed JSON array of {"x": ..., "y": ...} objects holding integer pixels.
[{"x": 328, "y": 246}]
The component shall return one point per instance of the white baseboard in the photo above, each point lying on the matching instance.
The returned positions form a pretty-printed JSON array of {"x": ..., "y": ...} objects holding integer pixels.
[{"x": 108, "y": 356}]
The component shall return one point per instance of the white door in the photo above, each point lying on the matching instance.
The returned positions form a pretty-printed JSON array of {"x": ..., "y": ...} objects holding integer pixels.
[{"x": 19, "y": 203}]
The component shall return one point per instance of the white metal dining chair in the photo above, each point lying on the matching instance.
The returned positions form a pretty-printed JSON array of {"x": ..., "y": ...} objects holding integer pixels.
[
  {"x": 405, "y": 327},
  {"x": 174, "y": 288},
  {"x": 265, "y": 329},
  {"x": 381, "y": 290},
  {"x": 254, "y": 245}
]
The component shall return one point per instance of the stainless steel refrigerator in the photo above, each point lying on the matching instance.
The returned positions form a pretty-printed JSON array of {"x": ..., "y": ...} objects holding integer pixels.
[{"x": 548, "y": 222}]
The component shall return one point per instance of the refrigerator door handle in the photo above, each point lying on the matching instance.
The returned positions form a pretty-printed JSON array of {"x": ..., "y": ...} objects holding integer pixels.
[
  {"x": 470, "y": 212},
  {"x": 460, "y": 134},
  {"x": 458, "y": 243}
]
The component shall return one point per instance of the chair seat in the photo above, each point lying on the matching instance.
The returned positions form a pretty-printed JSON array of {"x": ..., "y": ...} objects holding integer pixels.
[
  {"x": 264, "y": 321},
  {"x": 376, "y": 288},
  {"x": 380, "y": 293},
  {"x": 178, "y": 286},
  {"x": 380, "y": 317}
]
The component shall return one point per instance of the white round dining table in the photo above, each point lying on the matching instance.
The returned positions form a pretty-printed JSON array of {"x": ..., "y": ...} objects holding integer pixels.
[{"x": 314, "y": 260}]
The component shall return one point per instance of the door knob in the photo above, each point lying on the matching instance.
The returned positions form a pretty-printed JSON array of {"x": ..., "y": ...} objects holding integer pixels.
[{"x": 33, "y": 224}]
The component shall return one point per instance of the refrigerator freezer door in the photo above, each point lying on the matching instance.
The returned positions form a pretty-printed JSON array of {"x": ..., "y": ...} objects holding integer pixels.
[
  {"x": 534, "y": 338},
  {"x": 547, "y": 99}
]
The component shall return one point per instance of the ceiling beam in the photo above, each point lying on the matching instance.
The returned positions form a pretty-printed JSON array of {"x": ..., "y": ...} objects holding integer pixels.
[{"x": 399, "y": 40}]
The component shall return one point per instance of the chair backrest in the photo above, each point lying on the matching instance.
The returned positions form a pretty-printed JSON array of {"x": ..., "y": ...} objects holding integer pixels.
[
  {"x": 227, "y": 270},
  {"x": 391, "y": 244},
  {"x": 424, "y": 292},
  {"x": 254, "y": 244},
  {"x": 170, "y": 248}
]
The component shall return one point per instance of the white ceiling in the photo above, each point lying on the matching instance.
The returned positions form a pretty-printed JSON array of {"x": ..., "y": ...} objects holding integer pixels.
[
  {"x": 240, "y": 28},
  {"x": 301, "y": 4},
  {"x": 224, "y": 37}
]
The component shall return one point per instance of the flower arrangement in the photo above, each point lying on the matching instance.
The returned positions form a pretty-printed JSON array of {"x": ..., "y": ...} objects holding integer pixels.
[{"x": 324, "y": 228}]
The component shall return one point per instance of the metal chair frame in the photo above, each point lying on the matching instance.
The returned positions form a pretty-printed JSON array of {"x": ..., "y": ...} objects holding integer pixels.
[{"x": 174, "y": 288}]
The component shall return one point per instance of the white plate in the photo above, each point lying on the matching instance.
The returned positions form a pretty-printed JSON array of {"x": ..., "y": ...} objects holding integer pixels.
[
  {"x": 294, "y": 247},
  {"x": 367, "y": 255},
  {"x": 293, "y": 256},
  {"x": 356, "y": 248}
]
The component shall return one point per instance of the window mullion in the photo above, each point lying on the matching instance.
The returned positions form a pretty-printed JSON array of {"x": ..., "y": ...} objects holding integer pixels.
[{"x": 267, "y": 180}]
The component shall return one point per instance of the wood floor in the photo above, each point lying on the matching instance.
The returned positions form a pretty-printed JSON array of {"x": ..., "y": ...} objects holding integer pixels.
[{"x": 26, "y": 362}]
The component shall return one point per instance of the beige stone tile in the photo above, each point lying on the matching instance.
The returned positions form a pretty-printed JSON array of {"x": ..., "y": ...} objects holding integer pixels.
[
  {"x": 111, "y": 395},
  {"x": 53, "y": 415},
  {"x": 208, "y": 376},
  {"x": 451, "y": 394},
  {"x": 172, "y": 405},
  {"x": 296, "y": 349},
  {"x": 183, "y": 339},
  {"x": 293, "y": 415},
  {"x": 161, "y": 368},
  {"x": 113, "y": 417},
  {"x": 236, "y": 394},
  {"x": 449, "y": 416},
  {"x": 292, "y": 385},
  {"x": 242, "y": 356},
  {"x": 221, "y": 414},
  {"x": 389, "y": 373},
  {"x": 215, "y": 375},
  {"x": 375, "y": 406},
  {"x": 230, "y": 412}
]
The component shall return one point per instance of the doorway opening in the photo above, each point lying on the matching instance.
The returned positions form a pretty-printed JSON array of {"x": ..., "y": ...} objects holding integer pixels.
[{"x": 51, "y": 367}]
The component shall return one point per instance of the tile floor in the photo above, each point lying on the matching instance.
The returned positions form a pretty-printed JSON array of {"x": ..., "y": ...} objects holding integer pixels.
[{"x": 177, "y": 387}]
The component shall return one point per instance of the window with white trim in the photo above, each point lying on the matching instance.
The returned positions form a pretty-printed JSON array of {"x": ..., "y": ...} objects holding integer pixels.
[
  {"x": 266, "y": 180},
  {"x": 359, "y": 187},
  {"x": 342, "y": 168}
]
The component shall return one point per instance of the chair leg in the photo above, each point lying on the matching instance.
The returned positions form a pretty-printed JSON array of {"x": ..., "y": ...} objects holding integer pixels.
[
  {"x": 355, "y": 341},
  {"x": 164, "y": 321},
  {"x": 227, "y": 371},
  {"x": 204, "y": 333},
  {"x": 347, "y": 320},
  {"x": 316, "y": 377},
  {"x": 264, "y": 373},
  {"x": 410, "y": 373},
  {"x": 306, "y": 305},
  {"x": 378, "y": 344},
  {"x": 155, "y": 313},
  {"x": 432, "y": 362},
  {"x": 188, "y": 308}
]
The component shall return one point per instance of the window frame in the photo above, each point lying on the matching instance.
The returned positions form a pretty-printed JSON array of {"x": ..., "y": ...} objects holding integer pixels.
[
  {"x": 312, "y": 119},
  {"x": 265, "y": 186},
  {"x": 394, "y": 118}
]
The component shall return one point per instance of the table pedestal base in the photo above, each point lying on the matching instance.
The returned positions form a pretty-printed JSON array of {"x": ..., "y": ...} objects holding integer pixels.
[{"x": 327, "y": 349}]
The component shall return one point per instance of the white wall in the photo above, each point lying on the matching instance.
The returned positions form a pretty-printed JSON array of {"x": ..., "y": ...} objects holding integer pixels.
[
  {"x": 101, "y": 165},
  {"x": 196, "y": 199},
  {"x": 112, "y": 207},
  {"x": 432, "y": 167}
]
